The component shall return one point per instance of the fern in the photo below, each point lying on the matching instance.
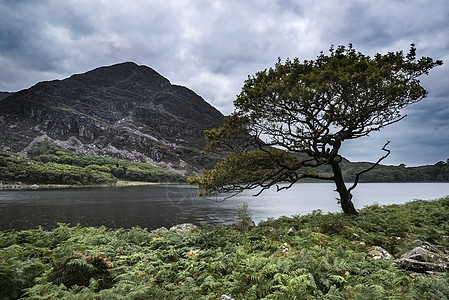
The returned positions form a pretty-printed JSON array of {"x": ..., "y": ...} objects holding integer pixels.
[{"x": 322, "y": 257}]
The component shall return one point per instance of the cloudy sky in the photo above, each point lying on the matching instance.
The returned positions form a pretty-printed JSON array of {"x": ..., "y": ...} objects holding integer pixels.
[{"x": 211, "y": 46}]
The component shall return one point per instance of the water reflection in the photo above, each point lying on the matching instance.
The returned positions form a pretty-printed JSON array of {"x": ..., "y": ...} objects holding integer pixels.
[
  {"x": 150, "y": 206},
  {"x": 154, "y": 206}
]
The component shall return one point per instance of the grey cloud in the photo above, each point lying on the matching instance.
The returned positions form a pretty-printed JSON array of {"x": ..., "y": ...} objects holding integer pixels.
[
  {"x": 420, "y": 138},
  {"x": 32, "y": 33},
  {"x": 212, "y": 46}
]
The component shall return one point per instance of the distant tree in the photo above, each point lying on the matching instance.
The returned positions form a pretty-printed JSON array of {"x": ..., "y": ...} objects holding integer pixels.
[{"x": 292, "y": 118}]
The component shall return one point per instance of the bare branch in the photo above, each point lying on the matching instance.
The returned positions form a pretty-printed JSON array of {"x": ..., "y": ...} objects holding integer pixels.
[{"x": 370, "y": 168}]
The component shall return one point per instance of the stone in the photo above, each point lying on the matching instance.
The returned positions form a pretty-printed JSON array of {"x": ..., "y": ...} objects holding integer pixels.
[
  {"x": 160, "y": 230},
  {"x": 425, "y": 257},
  {"x": 377, "y": 252},
  {"x": 291, "y": 231},
  {"x": 183, "y": 227}
]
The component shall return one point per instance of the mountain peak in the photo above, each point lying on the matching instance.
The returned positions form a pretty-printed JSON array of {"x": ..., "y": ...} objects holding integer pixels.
[
  {"x": 123, "y": 110},
  {"x": 126, "y": 72}
]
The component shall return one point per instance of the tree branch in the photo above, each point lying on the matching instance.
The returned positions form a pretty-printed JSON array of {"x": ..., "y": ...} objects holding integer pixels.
[{"x": 356, "y": 181}]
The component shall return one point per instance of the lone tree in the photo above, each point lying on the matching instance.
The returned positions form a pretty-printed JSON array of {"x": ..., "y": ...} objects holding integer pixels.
[{"x": 292, "y": 118}]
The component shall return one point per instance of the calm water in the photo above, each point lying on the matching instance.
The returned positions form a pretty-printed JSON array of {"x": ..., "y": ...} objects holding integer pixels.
[{"x": 154, "y": 206}]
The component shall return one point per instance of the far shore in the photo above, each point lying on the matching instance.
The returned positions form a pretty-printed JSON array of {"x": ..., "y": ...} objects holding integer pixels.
[{"x": 120, "y": 183}]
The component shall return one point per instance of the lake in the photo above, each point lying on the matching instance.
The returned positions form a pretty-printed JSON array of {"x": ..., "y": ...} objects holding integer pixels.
[{"x": 153, "y": 206}]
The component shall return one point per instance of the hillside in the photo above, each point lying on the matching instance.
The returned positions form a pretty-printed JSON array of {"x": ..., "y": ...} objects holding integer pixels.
[
  {"x": 49, "y": 166},
  {"x": 123, "y": 111}
]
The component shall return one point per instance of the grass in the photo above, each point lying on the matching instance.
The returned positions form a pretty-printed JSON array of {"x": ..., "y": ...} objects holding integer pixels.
[{"x": 317, "y": 256}]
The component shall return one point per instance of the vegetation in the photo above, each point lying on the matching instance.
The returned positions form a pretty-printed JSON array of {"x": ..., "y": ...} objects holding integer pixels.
[
  {"x": 317, "y": 256},
  {"x": 438, "y": 172},
  {"x": 294, "y": 117},
  {"x": 49, "y": 164}
]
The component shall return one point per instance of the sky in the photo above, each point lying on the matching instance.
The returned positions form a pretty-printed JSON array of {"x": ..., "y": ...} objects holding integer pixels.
[{"x": 211, "y": 46}]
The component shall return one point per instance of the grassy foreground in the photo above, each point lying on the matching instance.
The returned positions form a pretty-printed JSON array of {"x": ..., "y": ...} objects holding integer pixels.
[{"x": 317, "y": 256}]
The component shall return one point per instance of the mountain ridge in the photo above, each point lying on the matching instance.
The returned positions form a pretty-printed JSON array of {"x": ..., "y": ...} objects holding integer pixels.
[
  {"x": 4, "y": 95},
  {"x": 123, "y": 110}
]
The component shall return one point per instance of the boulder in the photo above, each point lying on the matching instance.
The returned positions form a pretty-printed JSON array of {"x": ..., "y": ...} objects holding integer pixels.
[
  {"x": 377, "y": 252},
  {"x": 425, "y": 257},
  {"x": 183, "y": 227},
  {"x": 160, "y": 230}
]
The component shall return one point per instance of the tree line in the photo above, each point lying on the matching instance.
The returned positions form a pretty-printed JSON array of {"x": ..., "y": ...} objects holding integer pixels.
[{"x": 438, "y": 172}]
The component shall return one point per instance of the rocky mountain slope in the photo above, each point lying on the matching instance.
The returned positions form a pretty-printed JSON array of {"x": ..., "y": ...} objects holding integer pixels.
[
  {"x": 124, "y": 110},
  {"x": 3, "y": 95}
]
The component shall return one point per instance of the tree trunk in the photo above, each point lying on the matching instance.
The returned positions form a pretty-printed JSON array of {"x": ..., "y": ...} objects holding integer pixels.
[{"x": 345, "y": 196}]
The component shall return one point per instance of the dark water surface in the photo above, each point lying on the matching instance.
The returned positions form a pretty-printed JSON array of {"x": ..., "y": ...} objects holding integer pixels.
[{"x": 159, "y": 205}]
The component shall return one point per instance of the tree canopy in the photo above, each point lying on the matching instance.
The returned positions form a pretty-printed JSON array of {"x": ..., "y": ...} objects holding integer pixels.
[{"x": 293, "y": 117}]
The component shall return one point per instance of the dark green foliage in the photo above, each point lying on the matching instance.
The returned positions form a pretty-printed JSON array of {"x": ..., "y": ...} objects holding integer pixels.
[
  {"x": 295, "y": 117},
  {"x": 317, "y": 256},
  {"x": 48, "y": 164}
]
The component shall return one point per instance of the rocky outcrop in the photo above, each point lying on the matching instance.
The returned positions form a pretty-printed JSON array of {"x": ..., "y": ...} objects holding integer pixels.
[
  {"x": 125, "y": 110},
  {"x": 425, "y": 257}
]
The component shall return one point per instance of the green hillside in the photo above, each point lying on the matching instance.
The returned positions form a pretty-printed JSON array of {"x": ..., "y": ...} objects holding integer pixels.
[{"x": 48, "y": 164}]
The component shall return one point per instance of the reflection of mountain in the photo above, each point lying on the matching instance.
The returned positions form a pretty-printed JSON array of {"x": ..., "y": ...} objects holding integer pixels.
[{"x": 124, "y": 110}]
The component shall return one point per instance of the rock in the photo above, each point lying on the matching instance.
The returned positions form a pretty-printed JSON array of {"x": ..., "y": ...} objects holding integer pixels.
[
  {"x": 226, "y": 297},
  {"x": 291, "y": 231},
  {"x": 9, "y": 186},
  {"x": 183, "y": 227},
  {"x": 160, "y": 229},
  {"x": 377, "y": 252},
  {"x": 425, "y": 257},
  {"x": 285, "y": 247}
]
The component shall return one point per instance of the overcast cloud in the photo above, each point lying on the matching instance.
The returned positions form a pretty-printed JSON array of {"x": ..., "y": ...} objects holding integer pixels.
[{"x": 212, "y": 46}]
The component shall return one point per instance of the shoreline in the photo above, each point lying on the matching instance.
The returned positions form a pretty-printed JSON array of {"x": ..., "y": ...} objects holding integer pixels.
[
  {"x": 21, "y": 186},
  {"x": 123, "y": 183}
]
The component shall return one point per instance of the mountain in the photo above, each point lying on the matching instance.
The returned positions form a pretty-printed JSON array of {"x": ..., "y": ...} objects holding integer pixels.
[
  {"x": 3, "y": 95},
  {"x": 123, "y": 111}
]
